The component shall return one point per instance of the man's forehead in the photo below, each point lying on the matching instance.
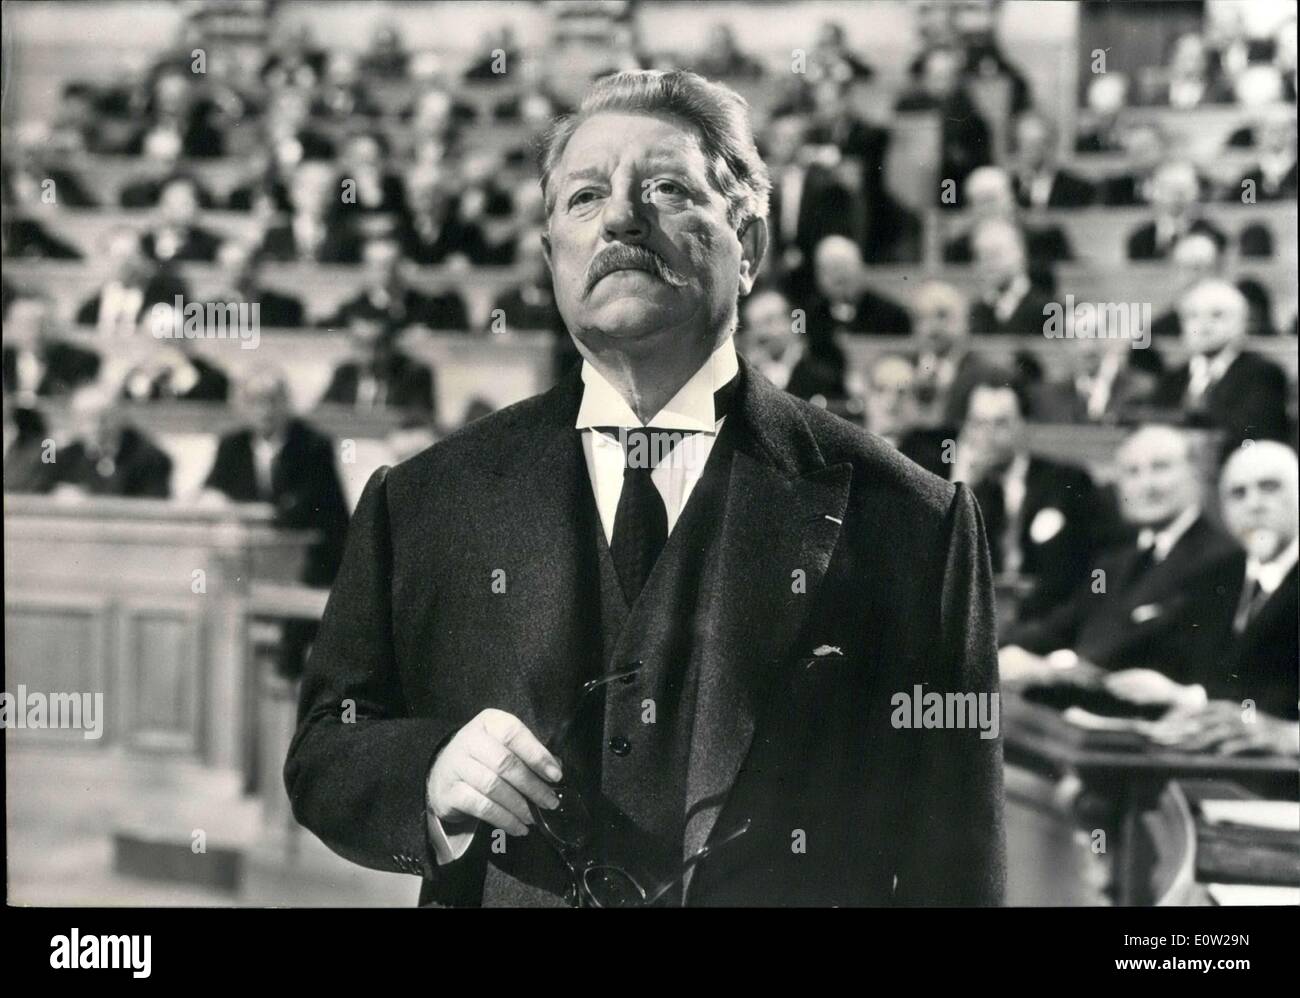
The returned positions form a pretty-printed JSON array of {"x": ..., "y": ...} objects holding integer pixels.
[{"x": 607, "y": 139}]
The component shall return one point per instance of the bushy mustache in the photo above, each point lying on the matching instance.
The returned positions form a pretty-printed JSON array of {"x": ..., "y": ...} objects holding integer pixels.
[{"x": 621, "y": 256}]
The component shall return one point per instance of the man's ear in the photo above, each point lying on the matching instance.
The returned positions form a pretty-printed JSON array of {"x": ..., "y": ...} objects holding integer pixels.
[
  {"x": 753, "y": 247},
  {"x": 546, "y": 248}
]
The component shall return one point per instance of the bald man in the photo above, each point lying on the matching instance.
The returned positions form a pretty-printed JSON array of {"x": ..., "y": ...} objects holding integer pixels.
[
  {"x": 1155, "y": 615},
  {"x": 1223, "y": 385}
]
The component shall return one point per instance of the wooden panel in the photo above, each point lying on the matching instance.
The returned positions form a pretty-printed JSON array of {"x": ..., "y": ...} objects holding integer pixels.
[
  {"x": 56, "y": 643},
  {"x": 160, "y": 681}
]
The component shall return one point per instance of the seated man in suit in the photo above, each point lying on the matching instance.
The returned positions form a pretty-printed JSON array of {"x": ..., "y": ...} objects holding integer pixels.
[
  {"x": 1196, "y": 257},
  {"x": 135, "y": 285},
  {"x": 844, "y": 304},
  {"x": 1038, "y": 178},
  {"x": 1273, "y": 177},
  {"x": 282, "y": 460},
  {"x": 176, "y": 237},
  {"x": 889, "y": 399},
  {"x": 1152, "y": 613},
  {"x": 989, "y": 195},
  {"x": 36, "y": 361},
  {"x": 109, "y": 456},
  {"x": 946, "y": 364},
  {"x": 382, "y": 376},
  {"x": 1223, "y": 385},
  {"x": 313, "y": 232},
  {"x": 1108, "y": 377},
  {"x": 174, "y": 370},
  {"x": 388, "y": 300},
  {"x": 1145, "y": 148},
  {"x": 1043, "y": 517},
  {"x": 1175, "y": 196},
  {"x": 1252, "y": 682},
  {"x": 768, "y": 340},
  {"x": 241, "y": 282},
  {"x": 1009, "y": 303},
  {"x": 531, "y": 304}
]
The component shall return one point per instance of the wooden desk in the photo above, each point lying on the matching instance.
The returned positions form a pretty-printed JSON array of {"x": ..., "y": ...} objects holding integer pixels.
[
  {"x": 147, "y": 602},
  {"x": 1135, "y": 784}
]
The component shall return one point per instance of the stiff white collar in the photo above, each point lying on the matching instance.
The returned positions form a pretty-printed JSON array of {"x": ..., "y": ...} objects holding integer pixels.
[
  {"x": 690, "y": 409},
  {"x": 1269, "y": 574},
  {"x": 1162, "y": 541}
]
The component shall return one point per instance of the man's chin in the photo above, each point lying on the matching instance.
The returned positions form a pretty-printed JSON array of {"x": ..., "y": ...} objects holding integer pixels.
[{"x": 629, "y": 319}]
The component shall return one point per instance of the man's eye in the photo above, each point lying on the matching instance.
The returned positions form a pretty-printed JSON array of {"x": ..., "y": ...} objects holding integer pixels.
[{"x": 582, "y": 197}]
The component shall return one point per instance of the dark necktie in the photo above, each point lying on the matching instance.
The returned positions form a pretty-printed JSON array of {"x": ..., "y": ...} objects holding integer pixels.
[
  {"x": 1252, "y": 598},
  {"x": 641, "y": 520}
]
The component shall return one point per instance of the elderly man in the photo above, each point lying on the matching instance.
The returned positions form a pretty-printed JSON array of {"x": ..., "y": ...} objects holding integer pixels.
[
  {"x": 1252, "y": 682},
  {"x": 1039, "y": 180},
  {"x": 108, "y": 455},
  {"x": 575, "y": 671},
  {"x": 1222, "y": 384},
  {"x": 844, "y": 304},
  {"x": 1153, "y": 611},
  {"x": 990, "y": 195},
  {"x": 946, "y": 367}
]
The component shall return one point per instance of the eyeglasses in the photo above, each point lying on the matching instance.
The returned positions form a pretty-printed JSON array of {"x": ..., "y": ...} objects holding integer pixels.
[{"x": 569, "y": 829}]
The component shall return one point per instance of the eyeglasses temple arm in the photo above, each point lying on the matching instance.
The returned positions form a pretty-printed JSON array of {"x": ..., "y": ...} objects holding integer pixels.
[
  {"x": 705, "y": 851},
  {"x": 588, "y": 688}
]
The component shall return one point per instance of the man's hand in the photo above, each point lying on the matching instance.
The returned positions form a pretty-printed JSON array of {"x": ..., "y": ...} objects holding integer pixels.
[
  {"x": 1227, "y": 728},
  {"x": 489, "y": 771},
  {"x": 1018, "y": 667},
  {"x": 1146, "y": 686}
]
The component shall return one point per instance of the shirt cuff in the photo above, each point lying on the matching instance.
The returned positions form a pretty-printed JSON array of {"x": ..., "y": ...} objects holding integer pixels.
[{"x": 447, "y": 848}]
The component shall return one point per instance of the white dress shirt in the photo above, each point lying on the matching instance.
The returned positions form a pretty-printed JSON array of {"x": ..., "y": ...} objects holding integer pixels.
[
  {"x": 1270, "y": 574},
  {"x": 1162, "y": 541},
  {"x": 675, "y": 477}
]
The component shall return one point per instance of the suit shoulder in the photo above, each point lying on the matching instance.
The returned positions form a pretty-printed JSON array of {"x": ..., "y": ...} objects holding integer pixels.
[{"x": 878, "y": 466}]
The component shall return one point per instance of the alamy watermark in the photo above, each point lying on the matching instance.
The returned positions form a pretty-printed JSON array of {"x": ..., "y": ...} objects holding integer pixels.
[
  {"x": 1109, "y": 320},
  {"x": 82, "y": 712},
  {"x": 193, "y": 320},
  {"x": 953, "y": 711}
]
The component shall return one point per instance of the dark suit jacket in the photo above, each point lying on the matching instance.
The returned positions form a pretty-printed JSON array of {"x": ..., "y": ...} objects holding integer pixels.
[
  {"x": 1067, "y": 191},
  {"x": 1248, "y": 401},
  {"x": 198, "y": 246},
  {"x": 27, "y": 238},
  {"x": 407, "y": 384},
  {"x": 897, "y": 580},
  {"x": 305, "y": 490},
  {"x": 1142, "y": 243},
  {"x": 276, "y": 310},
  {"x": 140, "y": 469},
  {"x": 162, "y": 288},
  {"x": 439, "y": 311},
  {"x": 340, "y": 245},
  {"x": 1055, "y": 563},
  {"x": 1260, "y": 663},
  {"x": 1173, "y": 617},
  {"x": 1026, "y": 320},
  {"x": 67, "y": 367}
]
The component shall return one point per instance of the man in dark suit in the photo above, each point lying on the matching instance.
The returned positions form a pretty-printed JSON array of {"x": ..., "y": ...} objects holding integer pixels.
[
  {"x": 1175, "y": 195},
  {"x": 282, "y": 460},
  {"x": 36, "y": 361},
  {"x": 1039, "y": 180},
  {"x": 769, "y": 340},
  {"x": 1010, "y": 304},
  {"x": 1153, "y": 611},
  {"x": 176, "y": 237},
  {"x": 1044, "y": 518},
  {"x": 26, "y": 238},
  {"x": 135, "y": 285},
  {"x": 313, "y": 232},
  {"x": 1248, "y": 693},
  {"x": 543, "y": 551},
  {"x": 387, "y": 299},
  {"x": 241, "y": 277},
  {"x": 382, "y": 376},
  {"x": 110, "y": 456},
  {"x": 844, "y": 304},
  {"x": 1223, "y": 385}
]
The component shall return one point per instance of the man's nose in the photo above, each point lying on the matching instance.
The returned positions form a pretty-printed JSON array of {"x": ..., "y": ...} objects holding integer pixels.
[{"x": 626, "y": 215}]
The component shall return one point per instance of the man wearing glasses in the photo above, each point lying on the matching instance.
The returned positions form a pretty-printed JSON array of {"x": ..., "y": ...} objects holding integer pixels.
[{"x": 641, "y": 639}]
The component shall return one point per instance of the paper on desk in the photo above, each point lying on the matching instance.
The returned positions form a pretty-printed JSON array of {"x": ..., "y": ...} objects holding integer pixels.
[
  {"x": 1252, "y": 894},
  {"x": 1283, "y": 815}
]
